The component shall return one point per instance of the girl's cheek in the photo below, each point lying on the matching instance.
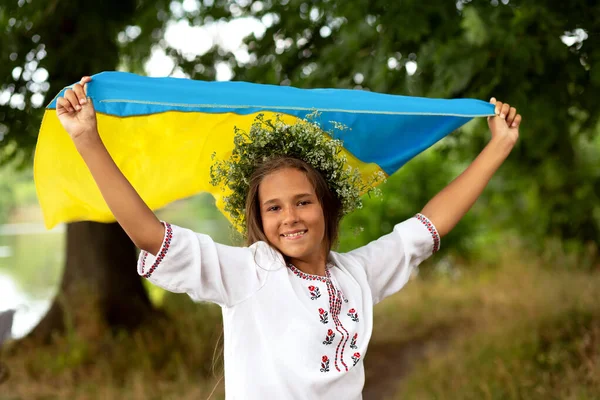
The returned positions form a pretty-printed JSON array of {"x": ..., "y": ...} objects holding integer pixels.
[{"x": 270, "y": 224}]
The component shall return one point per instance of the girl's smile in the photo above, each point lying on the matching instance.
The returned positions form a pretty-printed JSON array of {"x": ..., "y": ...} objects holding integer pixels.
[{"x": 295, "y": 235}]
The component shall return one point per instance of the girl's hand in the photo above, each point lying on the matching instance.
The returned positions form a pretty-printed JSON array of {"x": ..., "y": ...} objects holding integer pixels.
[
  {"x": 76, "y": 112},
  {"x": 505, "y": 125}
]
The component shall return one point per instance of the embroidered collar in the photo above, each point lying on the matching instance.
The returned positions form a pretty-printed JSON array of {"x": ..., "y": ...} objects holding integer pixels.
[{"x": 310, "y": 277}]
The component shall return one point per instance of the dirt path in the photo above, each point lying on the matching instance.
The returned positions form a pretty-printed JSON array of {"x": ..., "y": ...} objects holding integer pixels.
[{"x": 387, "y": 364}]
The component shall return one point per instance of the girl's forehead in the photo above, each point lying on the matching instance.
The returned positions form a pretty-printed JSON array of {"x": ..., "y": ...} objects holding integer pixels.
[{"x": 285, "y": 181}]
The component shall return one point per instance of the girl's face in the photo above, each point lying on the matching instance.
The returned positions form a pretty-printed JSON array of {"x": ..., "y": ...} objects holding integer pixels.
[{"x": 292, "y": 216}]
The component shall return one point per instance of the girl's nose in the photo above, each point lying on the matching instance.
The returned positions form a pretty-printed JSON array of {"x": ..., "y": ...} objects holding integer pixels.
[{"x": 290, "y": 216}]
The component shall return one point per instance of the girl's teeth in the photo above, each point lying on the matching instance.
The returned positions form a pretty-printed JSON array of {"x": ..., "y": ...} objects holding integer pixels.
[{"x": 294, "y": 234}]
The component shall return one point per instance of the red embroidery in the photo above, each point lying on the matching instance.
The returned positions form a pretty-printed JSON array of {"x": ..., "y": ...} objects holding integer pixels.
[
  {"x": 315, "y": 293},
  {"x": 355, "y": 358},
  {"x": 353, "y": 341},
  {"x": 335, "y": 305},
  {"x": 162, "y": 252},
  {"x": 323, "y": 315},
  {"x": 434, "y": 233},
  {"x": 336, "y": 297},
  {"x": 329, "y": 337},
  {"x": 353, "y": 314},
  {"x": 303, "y": 275},
  {"x": 324, "y": 364},
  {"x": 338, "y": 306}
]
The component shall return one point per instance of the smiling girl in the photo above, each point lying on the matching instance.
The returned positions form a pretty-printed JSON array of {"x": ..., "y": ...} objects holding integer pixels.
[{"x": 297, "y": 315}]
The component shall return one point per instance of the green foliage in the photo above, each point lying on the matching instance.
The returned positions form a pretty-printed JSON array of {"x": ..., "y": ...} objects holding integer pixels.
[
  {"x": 200, "y": 214},
  {"x": 481, "y": 49},
  {"x": 304, "y": 140},
  {"x": 404, "y": 194},
  {"x": 45, "y": 46}
]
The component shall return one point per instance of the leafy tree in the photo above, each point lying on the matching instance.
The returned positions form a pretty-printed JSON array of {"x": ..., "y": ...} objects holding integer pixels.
[
  {"x": 45, "y": 46},
  {"x": 511, "y": 49}
]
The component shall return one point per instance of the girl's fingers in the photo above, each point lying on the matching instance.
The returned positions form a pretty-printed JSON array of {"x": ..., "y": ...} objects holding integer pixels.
[
  {"x": 492, "y": 101},
  {"x": 516, "y": 122},
  {"x": 504, "y": 111},
  {"x": 512, "y": 113},
  {"x": 72, "y": 98},
  {"x": 84, "y": 81},
  {"x": 498, "y": 108},
  {"x": 79, "y": 92},
  {"x": 63, "y": 106}
]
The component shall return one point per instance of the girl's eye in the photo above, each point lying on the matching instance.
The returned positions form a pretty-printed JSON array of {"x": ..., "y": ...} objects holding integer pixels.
[
  {"x": 303, "y": 203},
  {"x": 273, "y": 208}
]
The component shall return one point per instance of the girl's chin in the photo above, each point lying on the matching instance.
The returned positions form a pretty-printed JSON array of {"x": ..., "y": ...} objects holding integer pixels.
[
  {"x": 298, "y": 249},
  {"x": 293, "y": 251}
]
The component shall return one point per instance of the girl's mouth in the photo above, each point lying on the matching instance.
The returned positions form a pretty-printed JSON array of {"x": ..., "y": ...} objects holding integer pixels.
[{"x": 294, "y": 235}]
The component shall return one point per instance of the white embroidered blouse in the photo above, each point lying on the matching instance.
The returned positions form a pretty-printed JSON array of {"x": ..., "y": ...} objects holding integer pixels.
[{"x": 287, "y": 334}]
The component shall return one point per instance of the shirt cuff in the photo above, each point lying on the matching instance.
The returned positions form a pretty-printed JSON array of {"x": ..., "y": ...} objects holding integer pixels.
[
  {"x": 146, "y": 259},
  {"x": 431, "y": 228}
]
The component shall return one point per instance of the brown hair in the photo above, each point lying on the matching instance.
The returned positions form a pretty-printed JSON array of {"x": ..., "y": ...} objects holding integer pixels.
[{"x": 332, "y": 206}]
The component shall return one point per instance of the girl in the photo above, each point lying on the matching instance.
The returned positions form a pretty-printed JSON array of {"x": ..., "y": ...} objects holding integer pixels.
[{"x": 297, "y": 315}]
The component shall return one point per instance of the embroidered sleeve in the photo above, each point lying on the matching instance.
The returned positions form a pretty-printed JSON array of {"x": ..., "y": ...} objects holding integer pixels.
[
  {"x": 193, "y": 263},
  {"x": 390, "y": 260},
  {"x": 143, "y": 270},
  {"x": 431, "y": 228}
]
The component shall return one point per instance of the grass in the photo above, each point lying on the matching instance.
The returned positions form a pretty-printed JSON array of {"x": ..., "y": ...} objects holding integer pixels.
[
  {"x": 521, "y": 330},
  {"x": 174, "y": 358},
  {"x": 557, "y": 357}
]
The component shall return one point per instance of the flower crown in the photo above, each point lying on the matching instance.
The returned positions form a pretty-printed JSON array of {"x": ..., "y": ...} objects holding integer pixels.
[{"x": 304, "y": 140}]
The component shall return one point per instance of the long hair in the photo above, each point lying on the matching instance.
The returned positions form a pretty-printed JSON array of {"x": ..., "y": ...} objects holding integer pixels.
[{"x": 331, "y": 205}]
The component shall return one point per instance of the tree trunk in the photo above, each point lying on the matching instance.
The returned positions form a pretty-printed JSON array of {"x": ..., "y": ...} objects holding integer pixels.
[{"x": 100, "y": 287}]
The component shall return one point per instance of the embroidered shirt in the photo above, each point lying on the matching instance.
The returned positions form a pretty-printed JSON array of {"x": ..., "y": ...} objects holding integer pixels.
[{"x": 287, "y": 334}]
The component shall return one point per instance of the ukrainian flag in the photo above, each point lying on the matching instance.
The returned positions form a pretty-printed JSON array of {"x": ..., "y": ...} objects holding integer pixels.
[{"x": 161, "y": 132}]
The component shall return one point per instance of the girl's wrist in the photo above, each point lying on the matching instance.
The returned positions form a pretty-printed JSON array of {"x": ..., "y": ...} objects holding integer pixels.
[
  {"x": 502, "y": 145},
  {"x": 88, "y": 140}
]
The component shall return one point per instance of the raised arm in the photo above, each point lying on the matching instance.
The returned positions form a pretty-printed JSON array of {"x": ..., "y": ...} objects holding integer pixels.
[
  {"x": 77, "y": 115},
  {"x": 452, "y": 203}
]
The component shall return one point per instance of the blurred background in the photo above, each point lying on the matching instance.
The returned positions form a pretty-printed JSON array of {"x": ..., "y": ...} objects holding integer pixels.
[{"x": 509, "y": 309}]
